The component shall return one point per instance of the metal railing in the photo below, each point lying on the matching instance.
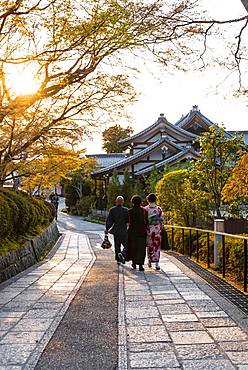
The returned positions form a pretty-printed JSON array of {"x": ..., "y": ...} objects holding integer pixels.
[{"x": 223, "y": 246}]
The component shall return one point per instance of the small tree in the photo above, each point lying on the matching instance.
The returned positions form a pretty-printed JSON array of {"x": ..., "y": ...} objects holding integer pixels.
[
  {"x": 212, "y": 171},
  {"x": 181, "y": 203},
  {"x": 140, "y": 189},
  {"x": 114, "y": 189},
  {"x": 79, "y": 184},
  {"x": 44, "y": 173},
  {"x": 152, "y": 180},
  {"x": 71, "y": 196},
  {"x": 127, "y": 188},
  {"x": 111, "y": 137},
  {"x": 81, "y": 179},
  {"x": 237, "y": 187}
]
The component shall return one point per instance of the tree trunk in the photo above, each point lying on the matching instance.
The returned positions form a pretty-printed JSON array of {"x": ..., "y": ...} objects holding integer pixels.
[
  {"x": 245, "y": 3},
  {"x": 218, "y": 212}
]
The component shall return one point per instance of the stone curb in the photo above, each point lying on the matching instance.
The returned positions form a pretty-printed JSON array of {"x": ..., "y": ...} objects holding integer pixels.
[{"x": 19, "y": 260}]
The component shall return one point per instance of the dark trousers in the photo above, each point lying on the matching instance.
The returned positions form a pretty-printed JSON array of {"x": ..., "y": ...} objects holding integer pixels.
[{"x": 119, "y": 240}]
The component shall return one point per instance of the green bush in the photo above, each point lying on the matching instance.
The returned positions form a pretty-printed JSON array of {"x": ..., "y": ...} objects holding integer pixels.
[
  {"x": 182, "y": 203},
  {"x": 21, "y": 215},
  {"x": 85, "y": 204},
  {"x": 71, "y": 196},
  {"x": 21, "y": 209},
  {"x": 5, "y": 218}
]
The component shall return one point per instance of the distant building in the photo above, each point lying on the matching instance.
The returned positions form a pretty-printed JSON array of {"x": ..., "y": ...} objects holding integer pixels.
[
  {"x": 106, "y": 159},
  {"x": 243, "y": 134},
  {"x": 158, "y": 146}
]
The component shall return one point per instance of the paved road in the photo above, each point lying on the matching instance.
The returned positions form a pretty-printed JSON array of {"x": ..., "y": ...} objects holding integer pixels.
[
  {"x": 33, "y": 305},
  {"x": 76, "y": 223}
]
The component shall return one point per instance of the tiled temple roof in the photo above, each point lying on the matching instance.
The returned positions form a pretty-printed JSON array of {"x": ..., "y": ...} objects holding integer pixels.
[
  {"x": 168, "y": 160},
  {"x": 107, "y": 159},
  {"x": 195, "y": 112},
  {"x": 161, "y": 124},
  {"x": 138, "y": 155}
]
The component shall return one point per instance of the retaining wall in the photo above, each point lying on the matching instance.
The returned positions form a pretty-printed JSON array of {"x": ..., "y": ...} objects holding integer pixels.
[{"x": 20, "y": 259}]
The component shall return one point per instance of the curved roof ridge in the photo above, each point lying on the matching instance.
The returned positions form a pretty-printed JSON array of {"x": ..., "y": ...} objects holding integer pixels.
[
  {"x": 159, "y": 120},
  {"x": 183, "y": 131},
  {"x": 147, "y": 129},
  {"x": 197, "y": 112}
]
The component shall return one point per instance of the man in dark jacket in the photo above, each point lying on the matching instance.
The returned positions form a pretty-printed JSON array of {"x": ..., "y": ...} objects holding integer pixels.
[{"x": 116, "y": 224}]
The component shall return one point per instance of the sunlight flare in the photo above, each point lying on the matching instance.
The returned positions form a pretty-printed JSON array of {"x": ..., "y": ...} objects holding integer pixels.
[{"x": 21, "y": 80}]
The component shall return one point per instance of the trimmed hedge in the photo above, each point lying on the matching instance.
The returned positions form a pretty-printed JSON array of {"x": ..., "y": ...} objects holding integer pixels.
[
  {"x": 22, "y": 215},
  {"x": 234, "y": 251}
]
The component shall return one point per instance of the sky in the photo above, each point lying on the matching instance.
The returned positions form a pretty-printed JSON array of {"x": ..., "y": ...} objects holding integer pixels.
[{"x": 175, "y": 94}]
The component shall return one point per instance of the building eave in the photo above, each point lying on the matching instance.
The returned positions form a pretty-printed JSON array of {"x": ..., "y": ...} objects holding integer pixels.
[
  {"x": 137, "y": 156},
  {"x": 169, "y": 160}
]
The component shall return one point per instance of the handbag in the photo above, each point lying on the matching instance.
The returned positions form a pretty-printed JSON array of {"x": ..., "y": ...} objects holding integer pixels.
[
  {"x": 164, "y": 241},
  {"x": 106, "y": 243}
]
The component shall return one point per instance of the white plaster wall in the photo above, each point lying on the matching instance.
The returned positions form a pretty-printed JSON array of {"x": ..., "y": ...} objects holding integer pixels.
[
  {"x": 140, "y": 166},
  {"x": 136, "y": 150},
  {"x": 156, "y": 155}
]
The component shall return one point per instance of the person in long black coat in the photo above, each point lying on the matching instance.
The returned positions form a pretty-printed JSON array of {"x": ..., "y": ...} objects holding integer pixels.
[{"x": 138, "y": 222}]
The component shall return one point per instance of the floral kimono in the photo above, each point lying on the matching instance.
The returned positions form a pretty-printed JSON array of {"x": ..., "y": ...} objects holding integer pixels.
[{"x": 154, "y": 233}]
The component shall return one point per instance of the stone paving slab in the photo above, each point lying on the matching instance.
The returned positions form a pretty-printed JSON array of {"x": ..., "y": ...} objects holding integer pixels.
[
  {"x": 86, "y": 338},
  {"x": 172, "y": 321},
  {"x": 169, "y": 319},
  {"x": 34, "y": 303}
]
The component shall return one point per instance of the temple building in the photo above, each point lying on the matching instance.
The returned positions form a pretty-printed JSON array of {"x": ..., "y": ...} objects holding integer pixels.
[{"x": 160, "y": 146}]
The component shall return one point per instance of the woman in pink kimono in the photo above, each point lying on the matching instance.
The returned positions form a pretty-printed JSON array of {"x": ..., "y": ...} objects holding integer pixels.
[{"x": 154, "y": 233}]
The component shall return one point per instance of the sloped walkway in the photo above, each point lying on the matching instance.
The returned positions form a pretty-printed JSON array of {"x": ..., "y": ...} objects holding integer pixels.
[
  {"x": 87, "y": 337},
  {"x": 32, "y": 306},
  {"x": 62, "y": 314},
  {"x": 174, "y": 320}
]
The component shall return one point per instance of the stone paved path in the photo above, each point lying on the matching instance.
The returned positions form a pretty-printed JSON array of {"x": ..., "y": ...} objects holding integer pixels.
[
  {"x": 171, "y": 320},
  {"x": 87, "y": 336},
  {"x": 167, "y": 320},
  {"x": 32, "y": 306}
]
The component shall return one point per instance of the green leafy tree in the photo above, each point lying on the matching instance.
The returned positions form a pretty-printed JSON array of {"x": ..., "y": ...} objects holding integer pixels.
[
  {"x": 111, "y": 137},
  {"x": 79, "y": 184},
  {"x": 127, "y": 188},
  {"x": 114, "y": 189},
  {"x": 140, "y": 189},
  {"x": 211, "y": 172},
  {"x": 181, "y": 203},
  {"x": 152, "y": 180}
]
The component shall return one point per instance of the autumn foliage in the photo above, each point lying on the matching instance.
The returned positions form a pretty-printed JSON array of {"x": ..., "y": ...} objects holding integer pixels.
[
  {"x": 111, "y": 137},
  {"x": 237, "y": 187}
]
